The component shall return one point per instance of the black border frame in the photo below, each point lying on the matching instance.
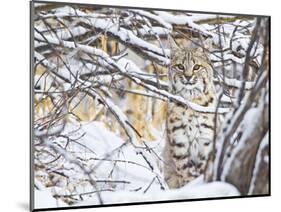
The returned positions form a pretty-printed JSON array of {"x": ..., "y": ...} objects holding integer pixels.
[{"x": 31, "y": 68}]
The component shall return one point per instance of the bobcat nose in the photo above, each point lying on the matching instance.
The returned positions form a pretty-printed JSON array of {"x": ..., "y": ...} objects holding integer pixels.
[
  {"x": 188, "y": 78},
  {"x": 188, "y": 75}
]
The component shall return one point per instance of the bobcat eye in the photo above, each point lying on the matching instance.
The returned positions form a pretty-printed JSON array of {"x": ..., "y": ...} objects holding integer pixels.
[
  {"x": 196, "y": 67},
  {"x": 180, "y": 67}
]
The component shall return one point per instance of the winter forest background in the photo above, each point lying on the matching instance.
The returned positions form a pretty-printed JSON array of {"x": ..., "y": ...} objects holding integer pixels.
[{"x": 100, "y": 101}]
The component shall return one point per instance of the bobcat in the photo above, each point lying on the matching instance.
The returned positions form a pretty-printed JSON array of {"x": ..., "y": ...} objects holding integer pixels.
[{"x": 189, "y": 133}]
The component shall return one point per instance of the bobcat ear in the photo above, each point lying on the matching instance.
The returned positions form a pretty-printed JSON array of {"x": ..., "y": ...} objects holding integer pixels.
[
  {"x": 208, "y": 44},
  {"x": 172, "y": 45}
]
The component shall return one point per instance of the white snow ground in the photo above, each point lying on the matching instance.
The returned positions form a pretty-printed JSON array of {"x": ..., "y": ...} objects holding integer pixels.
[{"x": 130, "y": 178}]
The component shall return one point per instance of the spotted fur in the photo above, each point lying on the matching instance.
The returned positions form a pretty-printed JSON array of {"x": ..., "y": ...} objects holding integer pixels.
[{"x": 189, "y": 133}]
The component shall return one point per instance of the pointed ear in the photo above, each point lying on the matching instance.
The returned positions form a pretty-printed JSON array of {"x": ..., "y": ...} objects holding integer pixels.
[
  {"x": 172, "y": 45},
  {"x": 208, "y": 44}
]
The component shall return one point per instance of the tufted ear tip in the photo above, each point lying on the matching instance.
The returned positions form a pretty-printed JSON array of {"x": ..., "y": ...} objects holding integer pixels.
[{"x": 208, "y": 44}]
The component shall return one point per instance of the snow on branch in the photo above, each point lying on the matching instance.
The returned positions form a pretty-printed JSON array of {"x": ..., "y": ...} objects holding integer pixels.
[
  {"x": 232, "y": 121},
  {"x": 155, "y": 18},
  {"x": 249, "y": 124},
  {"x": 121, "y": 118},
  {"x": 235, "y": 83},
  {"x": 122, "y": 34},
  {"x": 109, "y": 62},
  {"x": 192, "y": 191},
  {"x": 73, "y": 160},
  {"x": 183, "y": 20},
  {"x": 261, "y": 168}
]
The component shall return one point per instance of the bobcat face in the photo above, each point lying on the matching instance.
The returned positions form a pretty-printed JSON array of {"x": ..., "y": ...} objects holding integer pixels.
[{"x": 190, "y": 74}]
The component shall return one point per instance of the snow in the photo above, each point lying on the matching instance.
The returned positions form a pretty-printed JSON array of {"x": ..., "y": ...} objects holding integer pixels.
[
  {"x": 237, "y": 83},
  {"x": 123, "y": 34},
  {"x": 180, "y": 99},
  {"x": 135, "y": 71},
  {"x": 154, "y": 17},
  {"x": 106, "y": 150},
  {"x": 202, "y": 190},
  {"x": 259, "y": 159},
  {"x": 153, "y": 31},
  {"x": 182, "y": 20},
  {"x": 109, "y": 61},
  {"x": 195, "y": 17},
  {"x": 122, "y": 118},
  {"x": 64, "y": 34},
  {"x": 250, "y": 121},
  {"x": 44, "y": 199},
  {"x": 126, "y": 36}
]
